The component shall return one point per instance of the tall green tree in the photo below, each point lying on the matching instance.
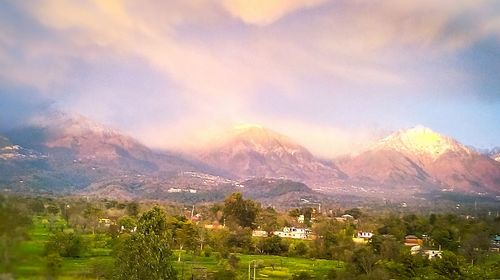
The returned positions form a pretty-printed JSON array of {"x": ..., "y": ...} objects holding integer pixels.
[
  {"x": 267, "y": 219},
  {"x": 238, "y": 211},
  {"x": 146, "y": 254},
  {"x": 449, "y": 266},
  {"x": 92, "y": 215},
  {"x": 186, "y": 238}
]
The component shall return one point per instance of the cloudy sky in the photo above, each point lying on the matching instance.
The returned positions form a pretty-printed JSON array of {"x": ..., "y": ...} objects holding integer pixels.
[{"x": 331, "y": 74}]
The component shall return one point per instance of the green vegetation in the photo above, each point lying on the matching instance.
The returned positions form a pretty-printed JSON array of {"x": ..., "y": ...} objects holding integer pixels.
[{"x": 72, "y": 238}]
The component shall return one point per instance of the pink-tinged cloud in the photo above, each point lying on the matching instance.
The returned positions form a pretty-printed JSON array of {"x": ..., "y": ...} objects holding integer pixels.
[
  {"x": 322, "y": 64},
  {"x": 263, "y": 12}
]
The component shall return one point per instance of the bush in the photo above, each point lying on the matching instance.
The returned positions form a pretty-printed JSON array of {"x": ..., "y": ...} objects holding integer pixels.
[
  {"x": 301, "y": 249},
  {"x": 66, "y": 245},
  {"x": 274, "y": 246}
]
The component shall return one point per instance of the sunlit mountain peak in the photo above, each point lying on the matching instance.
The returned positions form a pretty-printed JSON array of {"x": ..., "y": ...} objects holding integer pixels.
[
  {"x": 247, "y": 126},
  {"x": 421, "y": 141}
]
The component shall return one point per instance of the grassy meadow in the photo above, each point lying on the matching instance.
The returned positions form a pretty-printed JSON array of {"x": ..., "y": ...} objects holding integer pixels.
[{"x": 30, "y": 261}]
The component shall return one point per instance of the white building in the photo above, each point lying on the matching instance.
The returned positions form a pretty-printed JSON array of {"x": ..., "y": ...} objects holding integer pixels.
[
  {"x": 431, "y": 254},
  {"x": 292, "y": 232},
  {"x": 365, "y": 234},
  {"x": 347, "y": 217}
]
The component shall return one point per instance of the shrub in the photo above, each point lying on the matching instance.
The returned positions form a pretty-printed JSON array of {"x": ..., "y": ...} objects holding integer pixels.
[{"x": 67, "y": 245}]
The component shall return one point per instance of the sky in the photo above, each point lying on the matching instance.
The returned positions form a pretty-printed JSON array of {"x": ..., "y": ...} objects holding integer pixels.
[{"x": 333, "y": 75}]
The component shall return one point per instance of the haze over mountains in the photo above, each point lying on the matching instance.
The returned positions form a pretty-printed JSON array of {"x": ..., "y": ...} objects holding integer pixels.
[{"x": 63, "y": 152}]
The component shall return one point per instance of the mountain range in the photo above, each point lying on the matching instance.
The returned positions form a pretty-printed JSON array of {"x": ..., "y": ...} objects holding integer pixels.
[
  {"x": 60, "y": 152},
  {"x": 252, "y": 151},
  {"x": 420, "y": 156}
]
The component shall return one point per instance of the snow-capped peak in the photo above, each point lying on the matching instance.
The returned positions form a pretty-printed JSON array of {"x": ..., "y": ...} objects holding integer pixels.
[{"x": 421, "y": 141}]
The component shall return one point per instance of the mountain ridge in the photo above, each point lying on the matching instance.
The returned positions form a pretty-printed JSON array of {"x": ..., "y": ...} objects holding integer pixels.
[
  {"x": 421, "y": 156},
  {"x": 255, "y": 151},
  {"x": 71, "y": 152}
]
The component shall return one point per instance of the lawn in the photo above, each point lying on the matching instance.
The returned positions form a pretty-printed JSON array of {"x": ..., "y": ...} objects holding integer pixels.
[
  {"x": 29, "y": 261},
  {"x": 268, "y": 267}
]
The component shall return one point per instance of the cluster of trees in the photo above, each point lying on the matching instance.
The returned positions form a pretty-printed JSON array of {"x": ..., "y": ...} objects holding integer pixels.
[
  {"x": 147, "y": 240},
  {"x": 465, "y": 242}
]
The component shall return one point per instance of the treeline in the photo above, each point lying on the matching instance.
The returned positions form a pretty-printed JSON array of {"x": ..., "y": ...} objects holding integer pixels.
[{"x": 147, "y": 240}]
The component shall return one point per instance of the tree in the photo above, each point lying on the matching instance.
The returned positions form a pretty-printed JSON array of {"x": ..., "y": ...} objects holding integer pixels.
[
  {"x": 474, "y": 245},
  {"x": 240, "y": 211},
  {"x": 268, "y": 219},
  {"x": 186, "y": 237},
  {"x": 386, "y": 246},
  {"x": 66, "y": 245},
  {"x": 218, "y": 240},
  {"x": 239, "y": 240},
  {"x": 127, "y": 223},
  {"x": 133, "y": 209},
  {"x": 294, "y": 213},
  {"x": 393, "y": 225},
  {"x": 301, "y": 249},
  {"x": 449, "y": 266},
  {"x": 92, "y": 215},
  {"x": 53, "y": 209},
  {"x": 36, "y": 205},
  {"x": 273, "y": 246},
  {"x": 444, "y": 237},
  {"x": 146, "y": 254},
  {"x": 364, "y": 260},
  {"x": 326, "y": 231},
  {"x": 307, "y": 212},
  {"x": 355, "y": 212}
]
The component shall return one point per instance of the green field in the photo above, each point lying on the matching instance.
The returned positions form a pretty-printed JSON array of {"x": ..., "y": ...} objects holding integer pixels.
[
  {"x": 268, "y": 267},
  {"x": 30, "y": 261}
]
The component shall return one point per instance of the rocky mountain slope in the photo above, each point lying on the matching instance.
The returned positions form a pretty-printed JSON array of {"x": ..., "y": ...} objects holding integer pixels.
[
  {"x": 493, "y": 153},
  {"x": 420, "y": 156},
  {"x": 253, "y": 151},
  {"x": 64, "y": 152},
  {"x": 78, "y": 151}
]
